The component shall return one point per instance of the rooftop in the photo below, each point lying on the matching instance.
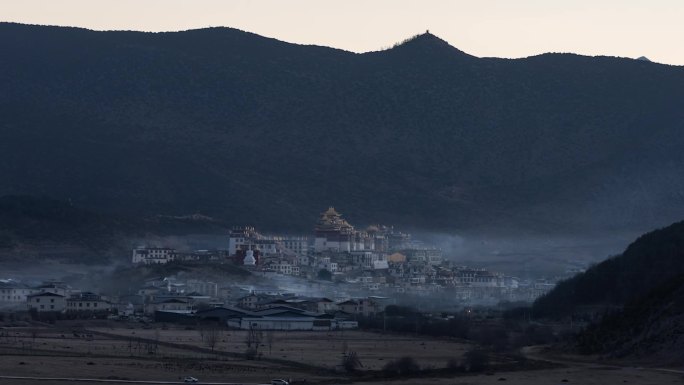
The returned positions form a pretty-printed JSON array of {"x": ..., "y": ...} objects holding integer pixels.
[{"x": 45, "y": 294}]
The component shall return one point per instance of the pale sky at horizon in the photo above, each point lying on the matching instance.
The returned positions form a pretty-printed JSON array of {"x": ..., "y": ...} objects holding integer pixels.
[{"x": 499, "y": 28}]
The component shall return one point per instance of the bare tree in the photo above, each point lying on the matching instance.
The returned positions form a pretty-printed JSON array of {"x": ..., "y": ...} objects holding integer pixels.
[
  {"x": 200, "y": 330},
  {"x": 270, "y": 339},
  {"x": 401, "y": 367},
  {"x": 476, "y": 360},
  {"x": 254, "y": 337},
  {"x": 212, "y": 337}
]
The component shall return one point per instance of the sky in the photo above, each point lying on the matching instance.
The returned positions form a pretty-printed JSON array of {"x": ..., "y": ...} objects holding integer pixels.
[{"x": 498, "y": 28}]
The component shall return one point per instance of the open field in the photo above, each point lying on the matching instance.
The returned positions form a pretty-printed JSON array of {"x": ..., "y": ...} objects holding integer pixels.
[
  {"x": 582, "y": 375},
  {"x": 139, "y": 369},
  {"x": 117, "y": 351},
  {"x": 129, "y": 351},
  {"x": 319, "y": 349}
]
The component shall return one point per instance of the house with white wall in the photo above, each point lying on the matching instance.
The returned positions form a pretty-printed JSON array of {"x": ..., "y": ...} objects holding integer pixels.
[{"x": 46, "y": 302}]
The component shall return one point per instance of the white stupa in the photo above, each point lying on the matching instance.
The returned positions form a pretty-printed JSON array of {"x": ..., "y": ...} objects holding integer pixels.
[{"x": 249, "y": 258}]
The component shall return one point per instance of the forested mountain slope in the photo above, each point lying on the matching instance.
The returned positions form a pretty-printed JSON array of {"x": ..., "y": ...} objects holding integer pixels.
[{"x": 254, "y": 130}]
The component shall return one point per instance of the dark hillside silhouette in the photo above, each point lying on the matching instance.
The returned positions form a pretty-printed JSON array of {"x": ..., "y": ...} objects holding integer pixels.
[
  {"x": 653, "y": 261},
  {"x": 253, "y": 130},
  {"x": 632, "y": 304}
]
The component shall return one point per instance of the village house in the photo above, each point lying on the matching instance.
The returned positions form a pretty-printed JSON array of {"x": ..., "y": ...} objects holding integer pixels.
[
  {"x": 176, "y": 305},
  {"x": 477, "y": 278},
  {"x": 250, "y": 301},
  {"x": 203, "y": 287},
  {"x": 130, "y": 304},
  {"x": 46, "y": 302},
  {"x": 430, "y": 256},
  {"x": 13, "y": 293},
  {"x": 285, "y": 267},
  {"x": 316, "y": 305},
  {"x": 196, "y": 298},
  {"x": 326, "y": 263},
  {"x": 366, "y": 259},
  {"x": 160, "y": 255},
  {"x": 87, "y": 303},
  {"x": 297, "y": 245},
  {"x": 152, "y": 255},
  {"x": 55, "y": 287},
  {"x": 149, "y": 291},
  {"x": 361, "y": 306},
  {"x": 325, "y": 305},
  {"x": 349, "y": 306},
  {"x": 203, "y": 256},
  {"x": 225, "y": 292}
]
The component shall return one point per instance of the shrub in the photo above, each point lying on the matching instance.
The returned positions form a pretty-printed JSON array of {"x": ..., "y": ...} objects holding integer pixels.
[
  {"x": 402, "y": 367},
  {"x": 351, "y": 362},
  {"x": 454, "y": 365},
  {"x": 250, "y": 354},
  {"x": 476, "y": 360}
]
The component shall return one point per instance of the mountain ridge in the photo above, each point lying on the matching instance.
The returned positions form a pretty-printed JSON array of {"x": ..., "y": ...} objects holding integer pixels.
[
  {"x": 253, "y": 130},
  {"x": 420, "y": 36}
]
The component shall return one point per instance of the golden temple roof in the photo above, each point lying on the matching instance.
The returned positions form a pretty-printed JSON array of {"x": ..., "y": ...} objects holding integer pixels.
[
  {"x": 331, "y": 212},
  {"x": 332, "y": 220}
]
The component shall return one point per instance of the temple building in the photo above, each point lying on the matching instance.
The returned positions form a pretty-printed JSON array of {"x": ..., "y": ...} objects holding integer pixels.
[{"x": 333, "y": 233}]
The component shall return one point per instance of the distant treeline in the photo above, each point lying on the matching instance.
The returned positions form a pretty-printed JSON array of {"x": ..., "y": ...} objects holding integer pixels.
[
  {"x": 497, "y": 334},
  {"x": 80, "y": 234},
  {"x": 38, "y": 220}
]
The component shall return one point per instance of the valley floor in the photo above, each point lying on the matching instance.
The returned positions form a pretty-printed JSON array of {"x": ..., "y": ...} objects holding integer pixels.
[{"x": 134, "y": 353}]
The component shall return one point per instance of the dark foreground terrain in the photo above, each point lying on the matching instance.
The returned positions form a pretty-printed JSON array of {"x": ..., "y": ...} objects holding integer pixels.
[{"x": 99, "y": 353}]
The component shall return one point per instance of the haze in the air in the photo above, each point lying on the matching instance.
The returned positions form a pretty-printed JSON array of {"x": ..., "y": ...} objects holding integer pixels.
[{"x": 500, "y": 28}]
